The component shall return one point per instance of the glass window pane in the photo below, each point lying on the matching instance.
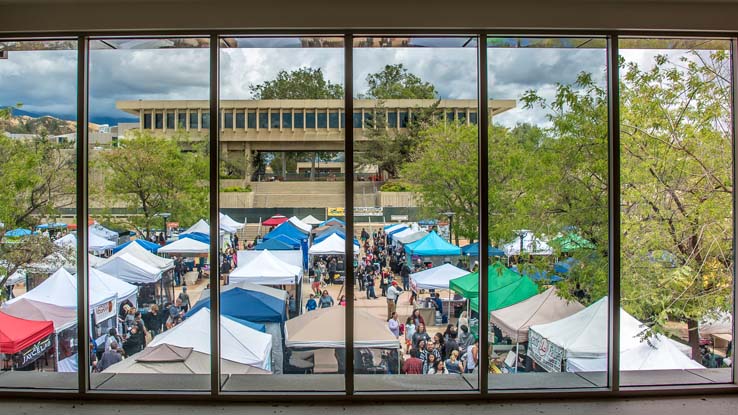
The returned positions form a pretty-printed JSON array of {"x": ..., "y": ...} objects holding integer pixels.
[
  {"x": 263, "y": 119},
  {"x": 274, "y": 173},
  {"x": 553, "y": 241},
  {"x": 473, "y": 117},
  {"x": 158, "y": 121},
  {"x": 155, "y": 184},
  {"x": 368, "y": 119},
  {"x": 299, "y": 119},
  {"x": 252, "y": 119},
  {"x": 450, "y": 116},
  {"x": 181, "y": 120},
  {"x": 147, "y": 121},
  {"x": 38, "y": 132},
  {"x": 310, "y": 119},
  {"x": 240, "y": 120},
  {"x": 424, "y": 180},
  {"x": 228, "y": 119},
  {"x": 676, "y": 213}
]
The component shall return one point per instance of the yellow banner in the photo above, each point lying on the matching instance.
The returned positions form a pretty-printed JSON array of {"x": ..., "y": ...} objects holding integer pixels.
[{"x": 336, "y": 212}]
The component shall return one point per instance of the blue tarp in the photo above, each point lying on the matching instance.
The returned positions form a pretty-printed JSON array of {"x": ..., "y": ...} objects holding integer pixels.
[
  {"x": 276, "y": 245},
  {"x": 15, "y": 233},
  {"x": 473, "y": 250},
  {"x": 431, "y": 245},
  {"x": 196, "y": 236},
  {"x": 149, "y": 246},
  {"x": 247, "y": 305},
  {"x": 331, "y": 220},
  {"x": 323, "y": 236},
  {"x": 563, "y": 267},
  {"x": 255, "y": 326}
]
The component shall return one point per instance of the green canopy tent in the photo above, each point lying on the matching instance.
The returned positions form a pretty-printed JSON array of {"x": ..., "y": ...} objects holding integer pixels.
[
  {"x": 506, "y": 287},
  {"x": 572, "y": 242}
]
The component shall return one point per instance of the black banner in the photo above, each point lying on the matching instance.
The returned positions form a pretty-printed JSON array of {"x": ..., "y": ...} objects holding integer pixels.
[{"x": 29, "y": 355}]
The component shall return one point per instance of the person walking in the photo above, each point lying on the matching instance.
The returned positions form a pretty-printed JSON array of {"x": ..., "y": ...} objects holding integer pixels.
[
  {"x": 109, "y": 357},
  {"x": 393, "y": 293},
  {"x": 394, "y": 324},
  {"x": 325, "y": 300},
  {"x": 371, "y": 280},
  {"x": 405, "y": 274},
  {"x": 185, "y": 298}
]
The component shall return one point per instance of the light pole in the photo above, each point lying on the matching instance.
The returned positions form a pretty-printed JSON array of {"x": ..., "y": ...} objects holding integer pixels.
[
  {"x": 450, "y": 216},
  {"x": 165, "y": 215}
]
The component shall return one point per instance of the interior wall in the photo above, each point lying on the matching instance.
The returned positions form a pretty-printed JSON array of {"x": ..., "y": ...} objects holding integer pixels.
[{"x": 66, "y": 15}]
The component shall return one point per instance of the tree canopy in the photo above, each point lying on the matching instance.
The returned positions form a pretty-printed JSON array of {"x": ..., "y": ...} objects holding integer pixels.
[{"x": 302, "y": 83}]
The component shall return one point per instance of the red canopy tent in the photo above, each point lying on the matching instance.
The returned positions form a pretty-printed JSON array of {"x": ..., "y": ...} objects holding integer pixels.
[
  {"x": 275, "y": 220},
  {"x": 17, "y": 334},
  {"x": 73, "y": 226}
]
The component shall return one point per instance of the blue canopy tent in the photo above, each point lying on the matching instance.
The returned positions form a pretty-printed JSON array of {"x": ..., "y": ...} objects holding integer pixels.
[
  {"x": 292, "y": 231},
  {"x": 247, "y": 305},
  {"x": 294, "y": 243},
  {"x": 428, "y": 222},
  {"x": 323, "y": 236},
  {"x": 201, "y": 237},
  {"x": 332, "y": 220},
  {"x": 17, "y": 233},
  {"x": 147, "y": 245},
  {"x": 276, "y": 245},
  {"x": 431, "y": 245},
  {"x": 473, "y": 250},
  {"x": 398, "y": 230}
]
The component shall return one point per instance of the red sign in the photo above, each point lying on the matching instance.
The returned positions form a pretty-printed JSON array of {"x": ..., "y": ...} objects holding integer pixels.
[{"x": 172, "y": 225}]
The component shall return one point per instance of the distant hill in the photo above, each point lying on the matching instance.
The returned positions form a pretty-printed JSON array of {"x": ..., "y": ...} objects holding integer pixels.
[
  {"x": 25, "y": 124},
  {"x": 111, "y": 121}
]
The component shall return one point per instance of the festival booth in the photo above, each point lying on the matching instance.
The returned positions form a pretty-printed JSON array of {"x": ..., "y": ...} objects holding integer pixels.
[
  {"x": 322, "y": 331},
  {"x": 240, "y": 342},
  {"x": 103, "y": 232},
  {"x": 506, "y": 287},
  {"x": 436, "y": 278},
  {"x": 275, "y": 220},
  {"x": 300, "y": 224},
  {"x": 276, "y": 245},
  {"x": 292, "y": 257},
  {"x": 60, "y": 289},
  {"x": 199, "y": 227},
  {"x": 267, "y": 269},
  {"x": 130, "y": 268},
  {"x": 332, "y": 245},
  {"x": 147, "y": 245},
  {"x": 578, "y": 343},
  {"x": 333, "y": 222},
  {"x": 408, "y": 238},
  {"x": 37, "y": 272},
  {"x": 311, "y": 220},
  {"x": 432, "y": 249},
  {"x": 186, "y": 246},
  {"x": 515, "y": 320},
  {"x": 228, "y": 225},
  {"x": 175, "y": 360},
  {"x": 291, "y": 231},
  {"x": 472, "y": 250},
  {"x": 527, "y": 243},
  {"x": 257, "y": 304},
  {"x": 337, "y": 230},
  {"x": 95, "y": 244},
  {"x": 22, "y": 341}
]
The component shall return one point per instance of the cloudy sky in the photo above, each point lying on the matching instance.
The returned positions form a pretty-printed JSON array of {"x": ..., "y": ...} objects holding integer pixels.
[{"x": 45, "y": 81}]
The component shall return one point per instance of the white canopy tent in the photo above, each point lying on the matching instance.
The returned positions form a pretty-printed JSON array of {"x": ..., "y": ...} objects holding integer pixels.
[
  {"x": 436, "y": 278},
  {"x": 185, "y": 246},
  {"x": 238, "y": 343},
  {"x": 332, "y": 245},
  {"x": 292, "y": 257},
  {"x": 267, "y": 269},
  {"x": 530, "y": 245},
  {"x": 396, "y": 227},
  {"x": 228, "y": 225},
  {"x": 130, "y": 269},
  {"x": 95, "y": 242},
  {"x": 515, "y": 320},
  {"x": 60, "y": 289},
  {"x": 200, "y": 227},
  {"x": 94, "y": 261},
  {"x": 300, "y": 224},
  {"x": 311, "y": 220},
  {"x": 410, "y": 237},
  {"x": 325, "y": 328},
  {"x": 123, "y": 290},
  {"x": 141, "y": 253},
  {"x": 581, "y": 341},
  {"x": 103, "y": 232}
]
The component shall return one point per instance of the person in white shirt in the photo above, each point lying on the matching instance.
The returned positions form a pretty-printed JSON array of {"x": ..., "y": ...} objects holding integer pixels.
[
  {"x": 393, "y": 292},
  {"x": 394, "y": 325}
]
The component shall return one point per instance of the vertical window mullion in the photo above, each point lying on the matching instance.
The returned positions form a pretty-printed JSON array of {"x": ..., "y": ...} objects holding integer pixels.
[
  {"x": 613, "y": 120},
  {"x": 349, "y": 208},
  {"x": 214, "y": 228},
  {"x": 83, "y": 315},
  {"x": 483, "y": 185},
  {"x": 734, "y": 106}
]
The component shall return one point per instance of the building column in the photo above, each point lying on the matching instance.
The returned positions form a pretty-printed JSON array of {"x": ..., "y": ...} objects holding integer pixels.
[
  {"x": 199, "y": 119},
  {"x": 187, "y": 120},
  {"x": 176, "y": 119},
  {"x": 141, "y": 119}
]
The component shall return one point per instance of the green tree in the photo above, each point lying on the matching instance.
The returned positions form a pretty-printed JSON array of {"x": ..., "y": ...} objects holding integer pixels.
[
  {"x": 302, "y": 83},
  {"x": 152, "y": 174},
  {"x": 388, "y": 148}
]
